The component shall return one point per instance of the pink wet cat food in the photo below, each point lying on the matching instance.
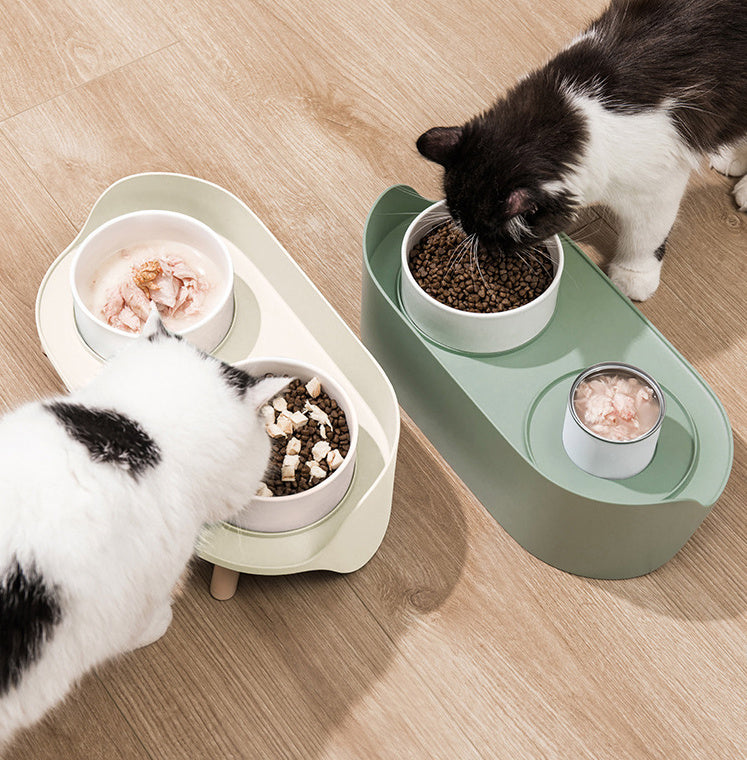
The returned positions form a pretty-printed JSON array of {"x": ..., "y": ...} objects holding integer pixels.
[
  {"x": 616, "y": 406},
  {"x": 175, "y": 277}
]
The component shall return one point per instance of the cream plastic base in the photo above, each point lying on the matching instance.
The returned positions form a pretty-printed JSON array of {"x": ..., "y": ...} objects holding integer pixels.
[{"x": 278, "y": 312}]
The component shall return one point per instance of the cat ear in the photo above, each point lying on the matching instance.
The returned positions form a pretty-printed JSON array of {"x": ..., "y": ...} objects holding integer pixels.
[
  {"x": 265, "y": 389},
  {"x": 153, "y": 325},
  {"x": 519, "y": 201},
  {"x": 438, "y": 144}
]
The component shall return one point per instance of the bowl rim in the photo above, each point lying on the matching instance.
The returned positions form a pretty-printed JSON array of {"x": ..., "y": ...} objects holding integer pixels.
[
  {"x": 612, "y": 366},
  {"x": 471, "y": 315},
  {"x": 187, "y": 331},
  {"x": 348, "y": 459}
]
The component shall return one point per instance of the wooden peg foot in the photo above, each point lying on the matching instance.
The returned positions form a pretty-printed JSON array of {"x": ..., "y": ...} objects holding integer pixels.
[{"x": 223, "y": 583}]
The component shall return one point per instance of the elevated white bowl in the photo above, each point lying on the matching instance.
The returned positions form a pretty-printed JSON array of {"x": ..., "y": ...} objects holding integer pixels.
[
  {"x": 275, "y": 514},
  {"x": 468, "y": 331},
  {"x": 140, "y": 227}
]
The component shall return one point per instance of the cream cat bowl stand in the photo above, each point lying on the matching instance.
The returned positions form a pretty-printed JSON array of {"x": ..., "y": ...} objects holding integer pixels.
[{"x": 278, "y": 312}]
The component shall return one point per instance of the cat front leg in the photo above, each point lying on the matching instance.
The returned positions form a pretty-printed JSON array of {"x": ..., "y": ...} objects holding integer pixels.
[
  {"x": 740, "y": 193},
  {"x": 645, "y": 222},
  {"x": 731, "y": 160}
]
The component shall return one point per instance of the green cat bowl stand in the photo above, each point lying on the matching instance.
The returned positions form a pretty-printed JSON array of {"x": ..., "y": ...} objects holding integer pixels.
[{"x": 498, "y": 419}]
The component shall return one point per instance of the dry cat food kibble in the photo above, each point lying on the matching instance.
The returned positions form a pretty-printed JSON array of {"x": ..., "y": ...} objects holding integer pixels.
[
  {"x": 310, "y": 438},
  {"x": 446, "y": 270}
]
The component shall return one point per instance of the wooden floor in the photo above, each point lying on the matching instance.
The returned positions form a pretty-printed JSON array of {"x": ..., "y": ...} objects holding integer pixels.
[{"x": 452, "y": 642}]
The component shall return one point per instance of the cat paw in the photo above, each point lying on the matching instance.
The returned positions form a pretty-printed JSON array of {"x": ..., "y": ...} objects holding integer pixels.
[
  {"x": 636, "y": 285},
  {"x": 730, "y": 160},
  {"x": 740, "y": 193}
]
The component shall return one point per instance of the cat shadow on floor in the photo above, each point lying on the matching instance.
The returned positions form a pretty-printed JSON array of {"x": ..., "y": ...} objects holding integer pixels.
[{"x": 290, "y": 658}]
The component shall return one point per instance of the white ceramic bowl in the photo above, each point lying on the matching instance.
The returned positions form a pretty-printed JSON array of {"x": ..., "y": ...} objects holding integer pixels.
[
  {"x": 601, "y": 456},
  {"x": 138, "y": 227},
  {"x": 468, "y": 331},
  {"x": 275, "y": 514}
]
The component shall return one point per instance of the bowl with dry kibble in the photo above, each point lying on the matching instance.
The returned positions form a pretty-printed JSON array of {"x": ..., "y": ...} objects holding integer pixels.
[
  {"x": 471, "y": 299},
  {"x": 313, "y": 430}
]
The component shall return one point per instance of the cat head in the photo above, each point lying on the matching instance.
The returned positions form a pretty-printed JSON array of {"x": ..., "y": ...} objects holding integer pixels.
[
  {"x": 505, "y": 171},
  {"x": 162, "y": 377},
  {"x": 166, "y": 347}
]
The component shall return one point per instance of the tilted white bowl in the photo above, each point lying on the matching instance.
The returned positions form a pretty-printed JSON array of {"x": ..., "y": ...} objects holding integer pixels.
[
  {"x": 275, "y": 514},
  {"x": 468, "y": 331},
  {"x": 139, "y": 227}
]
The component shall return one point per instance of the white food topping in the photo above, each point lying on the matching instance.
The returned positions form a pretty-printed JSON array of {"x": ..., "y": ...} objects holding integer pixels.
[
  {"x": 320, "y": 450},
  {"x": 299, "y": 419},
  {"x": 334, "y": 459},
  {"x": 274, "y": 431},
  {"x": 313, "y": 387}
]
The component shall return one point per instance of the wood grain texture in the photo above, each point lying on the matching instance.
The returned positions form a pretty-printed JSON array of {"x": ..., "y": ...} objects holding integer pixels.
[
  {"x": 452, "y": 642},
  {"x": 50, "y": 46}
]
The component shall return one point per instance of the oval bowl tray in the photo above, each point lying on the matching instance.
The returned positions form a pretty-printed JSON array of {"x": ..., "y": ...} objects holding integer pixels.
[
  {"x": 279, "y": 312},
  {"x": 498, "y": 419}
]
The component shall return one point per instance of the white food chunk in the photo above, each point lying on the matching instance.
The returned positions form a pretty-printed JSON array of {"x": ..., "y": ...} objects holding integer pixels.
[
  {"x": 313, "y": 387},
  {"x": 280, "y": 404},
  {"x": 334, "y": 459},
  {"x": 263, "y": 490},
  {"x": 285, "y": 423},
  {"x": 316, "y": 472},
  {"x": 320, "y": 450},
  {"x": 289, "y": 467},
  {"x": 298, "y": 419},
  {"x": 317, "y": 414},
  {"x": 267, "y": 414},
  {"x": 291, "y": 460},
  {"x": 293, "y": 447},
  {"x": 274, "y": 431}
]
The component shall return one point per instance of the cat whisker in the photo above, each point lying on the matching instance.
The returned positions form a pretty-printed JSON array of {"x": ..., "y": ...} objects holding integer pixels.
[
  {"x": 476, "y": 259},
  {"x": 456, "y": 257}
]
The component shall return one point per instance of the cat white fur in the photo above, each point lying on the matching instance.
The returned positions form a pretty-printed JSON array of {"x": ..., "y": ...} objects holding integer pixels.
[
  {"x": 111, "y": 545},
  {"x": 638, "y": 166}
]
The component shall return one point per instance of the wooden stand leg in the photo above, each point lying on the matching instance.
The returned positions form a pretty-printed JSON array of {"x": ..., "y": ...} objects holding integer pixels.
[{"x": 223, "y": 583}]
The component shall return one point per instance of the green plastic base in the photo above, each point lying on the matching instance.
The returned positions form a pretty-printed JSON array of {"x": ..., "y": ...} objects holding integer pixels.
[{"x": 498, "y": 419}]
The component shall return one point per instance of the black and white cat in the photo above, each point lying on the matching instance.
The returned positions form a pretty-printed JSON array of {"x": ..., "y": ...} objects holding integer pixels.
[
  {"x": 620, "y": 117},
  {"x": 102, "y": 496}
]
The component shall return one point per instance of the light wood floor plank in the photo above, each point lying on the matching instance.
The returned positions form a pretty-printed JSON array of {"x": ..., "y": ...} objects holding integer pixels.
[
  {"x": 51, "y": 46},
  {"x": 32, "y": 233},
  {"x": 305, "y": 672}
]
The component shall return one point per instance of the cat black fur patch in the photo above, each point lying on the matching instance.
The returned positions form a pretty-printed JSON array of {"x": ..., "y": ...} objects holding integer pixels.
[
  {"x": 237, "y": 378},
  {"x": 660, "y": 251},
  {"x": 641, "y": 54},
  {"x": 109, "y": 436},
  {"x": 162, "y": 332},
  {"x": 29, "y": 611}
]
